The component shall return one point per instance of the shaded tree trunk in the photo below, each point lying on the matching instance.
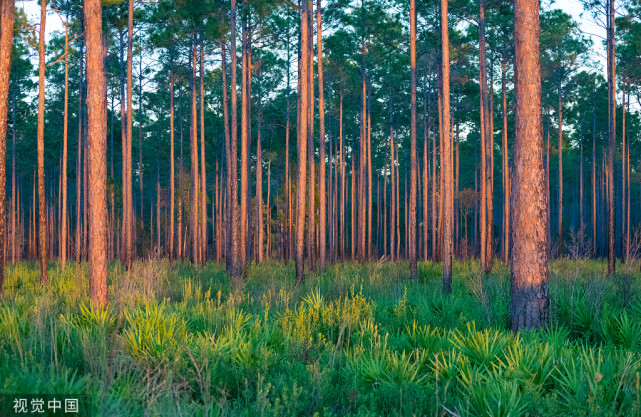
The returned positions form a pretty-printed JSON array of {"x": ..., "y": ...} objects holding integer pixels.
[
  {"x": 6, "y": 42},
  {"x": 203, "y": 165},
  {"x": 611, "y": 135}
]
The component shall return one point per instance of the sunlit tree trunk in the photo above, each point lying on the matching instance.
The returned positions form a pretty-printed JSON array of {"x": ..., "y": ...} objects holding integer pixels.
[
  {"x": 97, "y": 151},
  {"x": 302, "y": 144},
  {"x": 487, "y": 154},
  {"x": 529, "y": 289},
  {"x": 311, "y": 198},
  {"x": 448, "y": 183},
  {"x": 129, "y": 223},
  {"x": 244, "y": 141},
  {"x": 411, "y": 232},
  {"x": 321, "y": 163},
  {"x": 42, "y": 224}
]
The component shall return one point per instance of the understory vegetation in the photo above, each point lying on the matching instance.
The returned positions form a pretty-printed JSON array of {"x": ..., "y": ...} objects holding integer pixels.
[{"x": 355, "y": 340}]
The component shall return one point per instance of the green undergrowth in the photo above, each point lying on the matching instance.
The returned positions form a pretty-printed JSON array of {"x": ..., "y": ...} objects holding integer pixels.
[{"x": 354, "y": 340}]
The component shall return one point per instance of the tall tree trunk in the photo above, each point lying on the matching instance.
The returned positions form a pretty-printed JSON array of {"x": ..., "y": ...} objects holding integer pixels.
[
  {"x": 506, "y": 171},
  {"x": 594, "y": 229},
  {"x": 63, "y": 175},
  {"x": 321, "y": 163},
  {"x": 611, "y": 134},
  {"x": 244, "y": 141},
  {"x": 42, "y": 229},
  {"x": 529, "y": 289},
  {"x": 129, "y": 223},
  {"x": 448, "y": 195},
  {"x": 140, "y": 166},
  {"x": 311, "y": 198},
  {"x": 260, "y": 237},
  {"x": 370, "y": 184},
  {"x": 560, "y": 155},
  {"x": 15, "y": 199},
  {"x": 392, "y": 224},
  {"x": 411, "y": 232},
  {"x": 342, "y": 168},
  {"x": 6, "y": 42},
  {"x": 97, "y": 147},
  {"x": 179, "y": 230},
  {"x": 302, "y": 144},
  {"x": 203, "y": 165},
  {"x": 288, "y": 185},
  {"x": 193, "y": 145},
  {"x": 172, "y": 180},
  {"x": 487, "y": 155},
  {"x": 623, "y": 182}
]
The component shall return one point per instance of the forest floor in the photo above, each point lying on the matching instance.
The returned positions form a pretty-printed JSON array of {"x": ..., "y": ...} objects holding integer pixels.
[{"x": 355, "y": 340}]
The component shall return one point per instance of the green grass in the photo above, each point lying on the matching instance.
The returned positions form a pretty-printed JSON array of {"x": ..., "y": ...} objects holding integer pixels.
[{"x": 354, "y": 340}]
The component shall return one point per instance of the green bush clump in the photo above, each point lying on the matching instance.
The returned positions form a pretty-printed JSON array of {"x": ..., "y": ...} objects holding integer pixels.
[{"x": 354, "y": 340}]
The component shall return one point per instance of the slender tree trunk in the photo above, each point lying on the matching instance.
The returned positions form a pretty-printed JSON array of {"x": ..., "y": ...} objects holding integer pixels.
[
  {"x": 370, "y": 184},
  {"x": 302, "y": 144},
  {"x": 487, "y": 155},
  {"x": 411, "y": 232},
  {"x": 448, "y": 209},
  {"x": 506, "y": 171},
  {"x": 129, "y": 223},
  {"x": 611, "y": 135},
  {"x": 560, "y": 185},
  {"x": 244, "y": 141},
  {"x": 342, "y": 168},
  {"x": 260, "y": 237},
  {"x": 269, "y": 210},
  {"x": 63, "y": 175},
  {"x": 179, "y": 230},
  {"x": 172, "y": 180},
  {"x": 97, "y": 147},
  {"x": 594, "y": 229},
  {"x": 203, "y": 165},
  {"x": 6, "y": 42},
  {"x": 15, "y": 200},
  {"x": 353, "y": 206},
  {"x": 311, "y": 198},
  {"x": 321, "y": 163},
  {"x": 41, "y": 149},
  {"x": 529, "y": 289},
  {"x": 140, "y": 165},
  {"x": 623, "y": 181},
  {"x": 288, "y": 185},
  {"x": 193, "y": 145},
  {"x": 392, "y": 224}
]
